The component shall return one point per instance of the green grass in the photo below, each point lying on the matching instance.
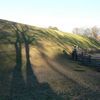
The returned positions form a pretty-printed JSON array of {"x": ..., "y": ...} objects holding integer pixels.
[
  {"x": 55, "y": 39},
  {"x": 50, "y": 63},
  {"x": 61, "y": 38}
]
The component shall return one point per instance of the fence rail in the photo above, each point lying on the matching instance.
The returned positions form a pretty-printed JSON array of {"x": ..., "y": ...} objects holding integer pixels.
[{"x": 89, "y": 61}]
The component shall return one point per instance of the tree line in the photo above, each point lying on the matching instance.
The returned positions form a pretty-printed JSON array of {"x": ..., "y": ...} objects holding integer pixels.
[{"x": 93, "y": 32}]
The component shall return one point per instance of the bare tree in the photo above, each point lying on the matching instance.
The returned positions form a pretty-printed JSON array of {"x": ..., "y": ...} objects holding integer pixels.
[
  {"x": 76, "y": 31},
  {"x": 87, "y": 32},
  {"x": 95, "y": 30}
]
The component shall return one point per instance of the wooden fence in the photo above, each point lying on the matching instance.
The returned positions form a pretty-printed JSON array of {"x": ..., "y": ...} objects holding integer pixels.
[{"x": 88, "y": 60}]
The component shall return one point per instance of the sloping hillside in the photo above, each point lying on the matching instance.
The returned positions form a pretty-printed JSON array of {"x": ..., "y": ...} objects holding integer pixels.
[
  {"x": 46, "y": 73},
  {"x": 57, "y": 37}
]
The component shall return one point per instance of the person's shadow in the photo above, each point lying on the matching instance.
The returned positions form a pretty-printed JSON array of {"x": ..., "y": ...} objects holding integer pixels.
[{"x": 31, "y": 89}]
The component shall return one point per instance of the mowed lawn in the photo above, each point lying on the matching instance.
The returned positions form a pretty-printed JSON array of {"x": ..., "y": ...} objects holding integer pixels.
[{"x": 52, "y": 76}]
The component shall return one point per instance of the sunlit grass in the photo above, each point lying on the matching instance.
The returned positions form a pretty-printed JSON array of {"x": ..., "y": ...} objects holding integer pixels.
[
  {"x": 52, "y": 41},
  {"x": 50, "y": 63}
]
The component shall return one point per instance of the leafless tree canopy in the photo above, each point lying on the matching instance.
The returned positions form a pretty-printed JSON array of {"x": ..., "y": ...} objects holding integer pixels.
[{"x": 93, "y": 32}]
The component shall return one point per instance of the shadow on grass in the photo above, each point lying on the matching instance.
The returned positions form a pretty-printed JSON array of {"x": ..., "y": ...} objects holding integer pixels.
[
  {"x": 30, "y": 89},
  {"x": 77, "y": 91}
]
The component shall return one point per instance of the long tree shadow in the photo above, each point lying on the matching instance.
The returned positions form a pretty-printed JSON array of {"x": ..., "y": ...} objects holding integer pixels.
[
  {"x": 17, "y": 84},
  {"x": 36, "y": 90},
  {"x": 30, "y": 89},
  {"x": 17, "y": 81}
]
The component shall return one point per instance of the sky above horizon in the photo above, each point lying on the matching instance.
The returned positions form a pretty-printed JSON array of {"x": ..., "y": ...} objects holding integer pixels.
[{"x": 64, "y": 14}]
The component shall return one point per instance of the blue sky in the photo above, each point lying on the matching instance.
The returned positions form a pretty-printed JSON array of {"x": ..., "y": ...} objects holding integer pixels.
[{"x": 64, "y": 14}]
